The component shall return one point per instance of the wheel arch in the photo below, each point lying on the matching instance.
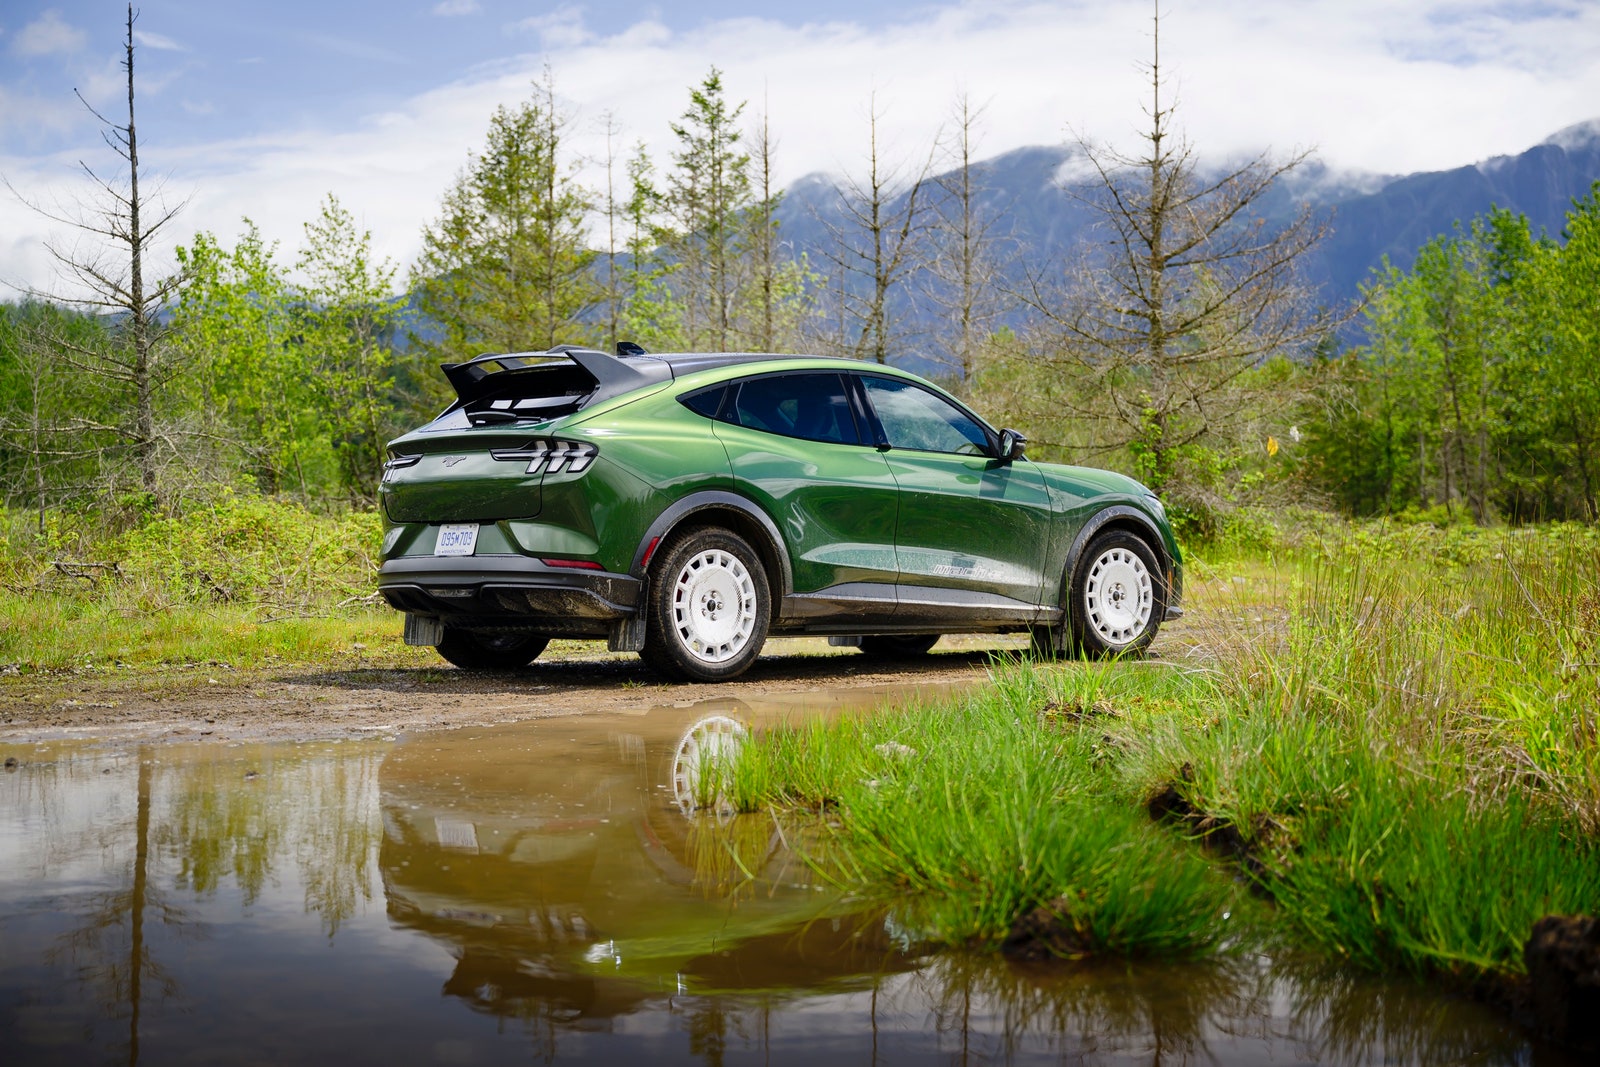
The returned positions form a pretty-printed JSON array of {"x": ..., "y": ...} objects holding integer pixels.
[
  {"x": 733, "y": 512},
  {"x": 1117, "y": 517}
]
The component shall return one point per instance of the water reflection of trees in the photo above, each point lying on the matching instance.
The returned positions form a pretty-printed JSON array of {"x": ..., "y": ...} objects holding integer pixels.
[{"x": 177, "y": 831}]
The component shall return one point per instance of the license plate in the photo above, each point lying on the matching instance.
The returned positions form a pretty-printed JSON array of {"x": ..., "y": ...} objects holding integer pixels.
[{"x": 456, "y": 539}]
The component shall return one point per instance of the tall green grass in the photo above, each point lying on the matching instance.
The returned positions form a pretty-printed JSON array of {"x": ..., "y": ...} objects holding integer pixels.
[
  {"x": 971, "y": 815},
  {"x": 1392, "y": 738}
]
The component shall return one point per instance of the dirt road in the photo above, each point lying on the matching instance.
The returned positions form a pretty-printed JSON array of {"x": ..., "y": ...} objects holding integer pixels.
[{"x": 212, "y": 702}]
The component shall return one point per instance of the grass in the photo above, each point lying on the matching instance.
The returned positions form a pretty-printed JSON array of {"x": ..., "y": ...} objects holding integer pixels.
[
  {"x": 905, "y": 823},
  {"x": 1390, "y": 738}
]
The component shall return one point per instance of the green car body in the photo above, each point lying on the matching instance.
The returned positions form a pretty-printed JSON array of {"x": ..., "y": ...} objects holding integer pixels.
[{"x": 790, "y": 495}]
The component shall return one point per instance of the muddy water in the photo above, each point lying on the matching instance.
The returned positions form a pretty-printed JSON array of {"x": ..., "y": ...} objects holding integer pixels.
[{"x": 541, "y": 892}]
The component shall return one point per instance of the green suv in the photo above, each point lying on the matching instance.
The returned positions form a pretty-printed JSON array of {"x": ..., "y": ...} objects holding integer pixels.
[{"x": 687, "y": 506}]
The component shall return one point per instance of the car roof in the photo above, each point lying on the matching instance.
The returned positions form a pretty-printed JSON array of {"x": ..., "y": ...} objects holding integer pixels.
[{"x": 683, "y": 363}]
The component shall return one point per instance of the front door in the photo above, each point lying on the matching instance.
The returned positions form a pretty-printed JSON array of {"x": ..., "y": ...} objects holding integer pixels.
[{"x": 973, "y": 531}]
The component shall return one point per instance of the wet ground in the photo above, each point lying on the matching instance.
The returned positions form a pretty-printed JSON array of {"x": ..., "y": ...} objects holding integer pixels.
[
  {"x": 543, "y": 891},
  {"x": 357, "y": 698}
]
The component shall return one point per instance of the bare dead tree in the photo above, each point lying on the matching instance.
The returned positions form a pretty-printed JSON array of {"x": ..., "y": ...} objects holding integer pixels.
[
  {"x": 967, "y": 258},
  {"x": 764, "y": 236},
  {"x": 1185, "y": 291},
  {"x": 109, "y": 278},
  {"x": 875, "y": 244}
]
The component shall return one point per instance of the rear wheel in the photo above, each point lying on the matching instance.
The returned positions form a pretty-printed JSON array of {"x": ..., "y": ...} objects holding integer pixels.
[
  {"x": 898, "y": 646},
  {"x": 490, "y": 652},
  {"x": 709, "y": 607},
  {"x": 1117, "y": 597}
]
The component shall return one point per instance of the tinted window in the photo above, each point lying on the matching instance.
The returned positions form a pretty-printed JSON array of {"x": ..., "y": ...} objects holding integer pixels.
[
  {"x": 915, "y": 418},
  {"x": 707, "y": 402},
  {"x": 813, "y": 407}
]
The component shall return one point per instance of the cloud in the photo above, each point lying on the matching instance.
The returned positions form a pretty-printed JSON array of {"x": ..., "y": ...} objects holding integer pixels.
[
  {"x": 1373, "y": 85},
  {"x": 158, "y": 42},
  {"x": 47, "y": 35},
  {"x": 450, "y": 8}
]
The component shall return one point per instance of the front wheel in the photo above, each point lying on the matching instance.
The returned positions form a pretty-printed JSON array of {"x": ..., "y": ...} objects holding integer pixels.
[
  {"x": 490, "y": 652},
  {"x": 709, "y": 607},
  {"x": 1117, "y": 596}
]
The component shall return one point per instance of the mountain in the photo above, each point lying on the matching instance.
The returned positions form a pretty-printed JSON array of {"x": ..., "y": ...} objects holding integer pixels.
[
  {"x": 1405, "y": 213},
  {"x": 1370, "y": 216}
]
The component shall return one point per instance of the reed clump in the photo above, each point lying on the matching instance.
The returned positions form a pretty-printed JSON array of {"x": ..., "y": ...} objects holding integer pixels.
[{"x": 1391, "y": 742}]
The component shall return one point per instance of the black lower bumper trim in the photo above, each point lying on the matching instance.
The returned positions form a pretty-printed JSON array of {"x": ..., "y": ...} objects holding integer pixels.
[{"x": 507, "y": 588}]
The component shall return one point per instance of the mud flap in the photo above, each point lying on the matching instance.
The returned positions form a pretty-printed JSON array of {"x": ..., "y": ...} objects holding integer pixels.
[
  {"x": 423, "y": 629},
  {"x": 627, "y": 635}
]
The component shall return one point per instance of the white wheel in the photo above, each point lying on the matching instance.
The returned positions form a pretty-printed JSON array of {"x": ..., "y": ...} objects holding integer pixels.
[
  {"x": 1116, "y": 596},
  {"x": 705, "y": 750},
  {"x": 708, "y": 608},
  {"x": 714, "y": 605}
]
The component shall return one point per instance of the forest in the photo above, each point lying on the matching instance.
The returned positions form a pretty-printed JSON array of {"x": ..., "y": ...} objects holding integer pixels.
[{"x": 1179, "y": 344}]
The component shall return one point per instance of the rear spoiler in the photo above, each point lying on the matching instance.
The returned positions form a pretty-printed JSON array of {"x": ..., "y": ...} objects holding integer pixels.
[{"x": 612, "y": 375}]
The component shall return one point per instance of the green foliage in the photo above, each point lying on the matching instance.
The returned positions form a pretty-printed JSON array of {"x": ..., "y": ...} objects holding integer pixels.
[
  {"x": 969, "y": 816},
  {"x": 344, "y": 321},
  {"x": 227, "y": 548},
  {"x": 252, "y": 382},
  {"x": 1475, "y": 392},
  {"x": 1393, "y": 735},
  {"x": 252, "y": 549},
  {"x": 505, "y": 268}
]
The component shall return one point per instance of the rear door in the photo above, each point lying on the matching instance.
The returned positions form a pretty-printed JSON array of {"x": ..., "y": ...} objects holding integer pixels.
[
  {"x": 972, "y": 532},
  {"x": 797, "y": 451}
]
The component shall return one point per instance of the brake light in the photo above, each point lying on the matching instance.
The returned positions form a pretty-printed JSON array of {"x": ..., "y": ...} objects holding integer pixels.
[{"x": 572, "y": 456}]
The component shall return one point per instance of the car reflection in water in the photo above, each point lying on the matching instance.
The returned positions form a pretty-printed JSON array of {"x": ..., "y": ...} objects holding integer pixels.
[{"x": 576, "y": 874}]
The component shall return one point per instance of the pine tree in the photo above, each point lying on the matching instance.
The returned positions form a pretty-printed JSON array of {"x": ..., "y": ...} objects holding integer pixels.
[
  {"x": 708, "y": 195},
  {"x": 505, "y": 268}
]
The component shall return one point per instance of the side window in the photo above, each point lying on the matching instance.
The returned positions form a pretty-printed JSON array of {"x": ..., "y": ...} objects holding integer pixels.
[
  {"x": 707, "y": 402},
  {"x": 813, "y": 407},
  {"x": 914, "y": 418}
]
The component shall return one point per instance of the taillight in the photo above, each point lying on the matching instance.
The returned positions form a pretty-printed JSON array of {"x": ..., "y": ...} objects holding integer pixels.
[
  {"x": 397, "y": 462},
  {"x": 555, "y": 456}
]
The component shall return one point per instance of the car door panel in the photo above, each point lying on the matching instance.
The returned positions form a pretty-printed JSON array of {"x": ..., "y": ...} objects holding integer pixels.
[
  {"x": 973, "y": 532},
  {"x": 834, "y": 501}
]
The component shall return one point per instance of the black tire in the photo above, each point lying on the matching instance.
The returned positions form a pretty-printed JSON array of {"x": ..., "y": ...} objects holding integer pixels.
[
  {"x": 1041, "y": 643},
  {"x": 1118, "y": 596},
  {"x": 490, "y": 652},
  {"x": 709, "y": 607},
  {"x": 898, "y": 646}
]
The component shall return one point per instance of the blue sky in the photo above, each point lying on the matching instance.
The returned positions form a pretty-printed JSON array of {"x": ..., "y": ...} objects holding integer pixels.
[{"x": 261, "y": 109}]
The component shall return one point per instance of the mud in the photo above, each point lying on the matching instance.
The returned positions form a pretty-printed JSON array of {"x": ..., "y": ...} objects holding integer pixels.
[{"x": 212, "y": 702}]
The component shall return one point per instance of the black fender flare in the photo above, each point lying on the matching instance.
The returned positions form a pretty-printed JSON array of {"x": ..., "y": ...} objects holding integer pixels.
[
  {"x": 717, "y": 499},
  {"x": 1119, "y": 514}
]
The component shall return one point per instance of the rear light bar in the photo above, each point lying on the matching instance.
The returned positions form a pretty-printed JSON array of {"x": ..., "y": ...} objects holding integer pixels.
[
  {"x": 396, "y": 462},
  {"x": 575, "y": 456}
]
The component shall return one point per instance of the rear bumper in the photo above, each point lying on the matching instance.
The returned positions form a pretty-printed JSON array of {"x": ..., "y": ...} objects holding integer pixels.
[{"x": 509, "y": 590}]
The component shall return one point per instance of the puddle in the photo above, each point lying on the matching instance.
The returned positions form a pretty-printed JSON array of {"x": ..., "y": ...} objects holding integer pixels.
[{"x": 537, "y": 892}]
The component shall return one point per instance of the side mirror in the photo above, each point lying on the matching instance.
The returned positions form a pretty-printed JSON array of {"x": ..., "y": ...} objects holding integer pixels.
[{"x": 1011, "y": 445}]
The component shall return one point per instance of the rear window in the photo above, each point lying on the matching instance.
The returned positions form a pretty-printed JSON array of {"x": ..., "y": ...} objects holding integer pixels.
[{"x": 810, "y": 406}]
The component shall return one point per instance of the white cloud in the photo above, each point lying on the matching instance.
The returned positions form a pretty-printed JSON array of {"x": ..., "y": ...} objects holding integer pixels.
[
  {"x": 449, "y": 8},
  {"x": 157, "y": 41},
  {"x": 48, "y": 34},
  {"x": 1373, "y": 85}
]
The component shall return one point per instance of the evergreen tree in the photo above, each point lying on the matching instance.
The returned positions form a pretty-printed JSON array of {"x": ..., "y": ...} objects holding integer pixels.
[
  {"x": 708, "y": 195},
  {"x": 1184, "y": 293},
  {"x": 505, "y": 268}
]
